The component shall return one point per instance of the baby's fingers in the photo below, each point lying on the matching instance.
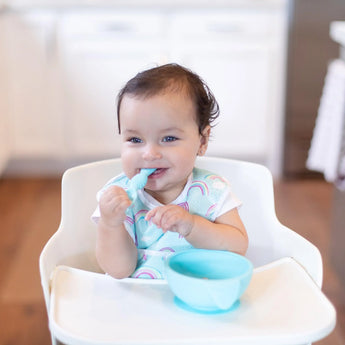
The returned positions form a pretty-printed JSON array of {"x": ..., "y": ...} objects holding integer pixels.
[
  {"x": 168, "y": 222},
  {"x": 114, "y": 202},
  {"x": 150, "y": 214},
  {"x": 161, "y": 217},
  {"x": 155, "y": 216}
]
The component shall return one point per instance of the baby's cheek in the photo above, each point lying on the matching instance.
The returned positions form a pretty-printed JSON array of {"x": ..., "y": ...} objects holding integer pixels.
[{"x": 129, "y": 162}]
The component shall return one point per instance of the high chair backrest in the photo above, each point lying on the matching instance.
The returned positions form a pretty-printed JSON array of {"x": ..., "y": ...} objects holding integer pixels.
[{"x": 74, "y": 242}]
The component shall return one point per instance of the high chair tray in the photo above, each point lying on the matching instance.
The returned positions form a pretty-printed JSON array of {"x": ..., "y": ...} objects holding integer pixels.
[{"x": 282, "y": 305}]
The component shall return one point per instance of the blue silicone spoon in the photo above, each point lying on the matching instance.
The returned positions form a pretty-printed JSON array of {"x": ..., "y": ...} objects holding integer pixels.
[{"x": 138, "y": 182}]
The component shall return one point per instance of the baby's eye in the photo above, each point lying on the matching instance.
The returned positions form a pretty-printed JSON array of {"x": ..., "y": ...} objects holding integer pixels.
[
  {"x": 169, "y": 138},
  {"x": 135, "y": 140}
]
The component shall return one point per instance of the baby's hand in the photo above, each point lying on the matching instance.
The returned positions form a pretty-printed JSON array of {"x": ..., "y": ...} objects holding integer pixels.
[
  {"x": 172, "y": 218},
  {"x": 113, "y": 204}
]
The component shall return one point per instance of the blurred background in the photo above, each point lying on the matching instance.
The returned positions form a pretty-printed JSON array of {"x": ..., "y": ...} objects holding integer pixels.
[{"x": 61, "y": 66}]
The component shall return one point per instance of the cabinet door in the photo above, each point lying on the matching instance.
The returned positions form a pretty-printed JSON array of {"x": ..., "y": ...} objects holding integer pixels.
[
  {"x": 34, "y": 119},
  {"x": 237, "y": 54},
  {"x": 4, "y": 144},
  {"x": 239, "y": 80},
  {"x": 99, "y": 53}
]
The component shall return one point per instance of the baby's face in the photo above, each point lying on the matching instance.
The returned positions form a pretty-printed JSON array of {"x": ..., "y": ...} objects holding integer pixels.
[{"x": 161, "y": 132}]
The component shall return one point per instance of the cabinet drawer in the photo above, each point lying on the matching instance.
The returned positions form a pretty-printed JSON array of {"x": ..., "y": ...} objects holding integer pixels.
[
  {"x": 220, "y": 24},
  {"x": 120, "y": 24}
]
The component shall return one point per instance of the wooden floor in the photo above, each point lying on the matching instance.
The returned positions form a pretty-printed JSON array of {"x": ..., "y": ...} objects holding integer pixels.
[{"x": 30, "y": 213}]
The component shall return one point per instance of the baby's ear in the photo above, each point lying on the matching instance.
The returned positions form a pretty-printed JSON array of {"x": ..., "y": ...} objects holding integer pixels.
[{"x": 205, "y": 135}]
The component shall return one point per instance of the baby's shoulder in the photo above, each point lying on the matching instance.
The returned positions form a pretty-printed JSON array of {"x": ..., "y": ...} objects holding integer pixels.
[
  {"x": 208, "y": 177},
  {"x": 209, "y": 182}
]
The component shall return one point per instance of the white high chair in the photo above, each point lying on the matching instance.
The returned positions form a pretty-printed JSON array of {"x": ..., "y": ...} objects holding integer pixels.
[{"x": 87, "y": 307}]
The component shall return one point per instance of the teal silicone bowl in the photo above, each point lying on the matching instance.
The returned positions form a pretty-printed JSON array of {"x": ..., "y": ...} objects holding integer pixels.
[{"x": 208, "y": 280}]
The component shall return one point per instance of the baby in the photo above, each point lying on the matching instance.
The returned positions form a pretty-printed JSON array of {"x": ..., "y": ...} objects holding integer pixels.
[{"x": 164, "y": 117}]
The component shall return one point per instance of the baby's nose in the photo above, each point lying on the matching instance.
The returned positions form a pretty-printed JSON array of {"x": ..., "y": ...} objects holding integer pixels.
[{"x": 151, "y": 152}]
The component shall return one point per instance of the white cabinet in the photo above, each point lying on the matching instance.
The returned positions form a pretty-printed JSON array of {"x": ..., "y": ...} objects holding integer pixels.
[
  {"x": 98, "y": 53},
  {"x": 4, "y": 145},
  {"x": 239, "y": 52},
  {"x": 35, "y": 122},
  {"x": 66, "y": 68}
]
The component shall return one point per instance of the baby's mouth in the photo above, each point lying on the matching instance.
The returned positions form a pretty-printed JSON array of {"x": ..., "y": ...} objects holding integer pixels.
[{"x": 158, "y": 172}]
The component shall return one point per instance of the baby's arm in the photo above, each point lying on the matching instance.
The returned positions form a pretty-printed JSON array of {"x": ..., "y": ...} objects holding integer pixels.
[
  {"x": 227, "y": 232},
  {"x": 115, "y": 250}
]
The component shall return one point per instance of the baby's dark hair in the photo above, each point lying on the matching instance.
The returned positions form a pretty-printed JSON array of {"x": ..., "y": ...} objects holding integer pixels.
[{"x": 168, "y": 78}]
